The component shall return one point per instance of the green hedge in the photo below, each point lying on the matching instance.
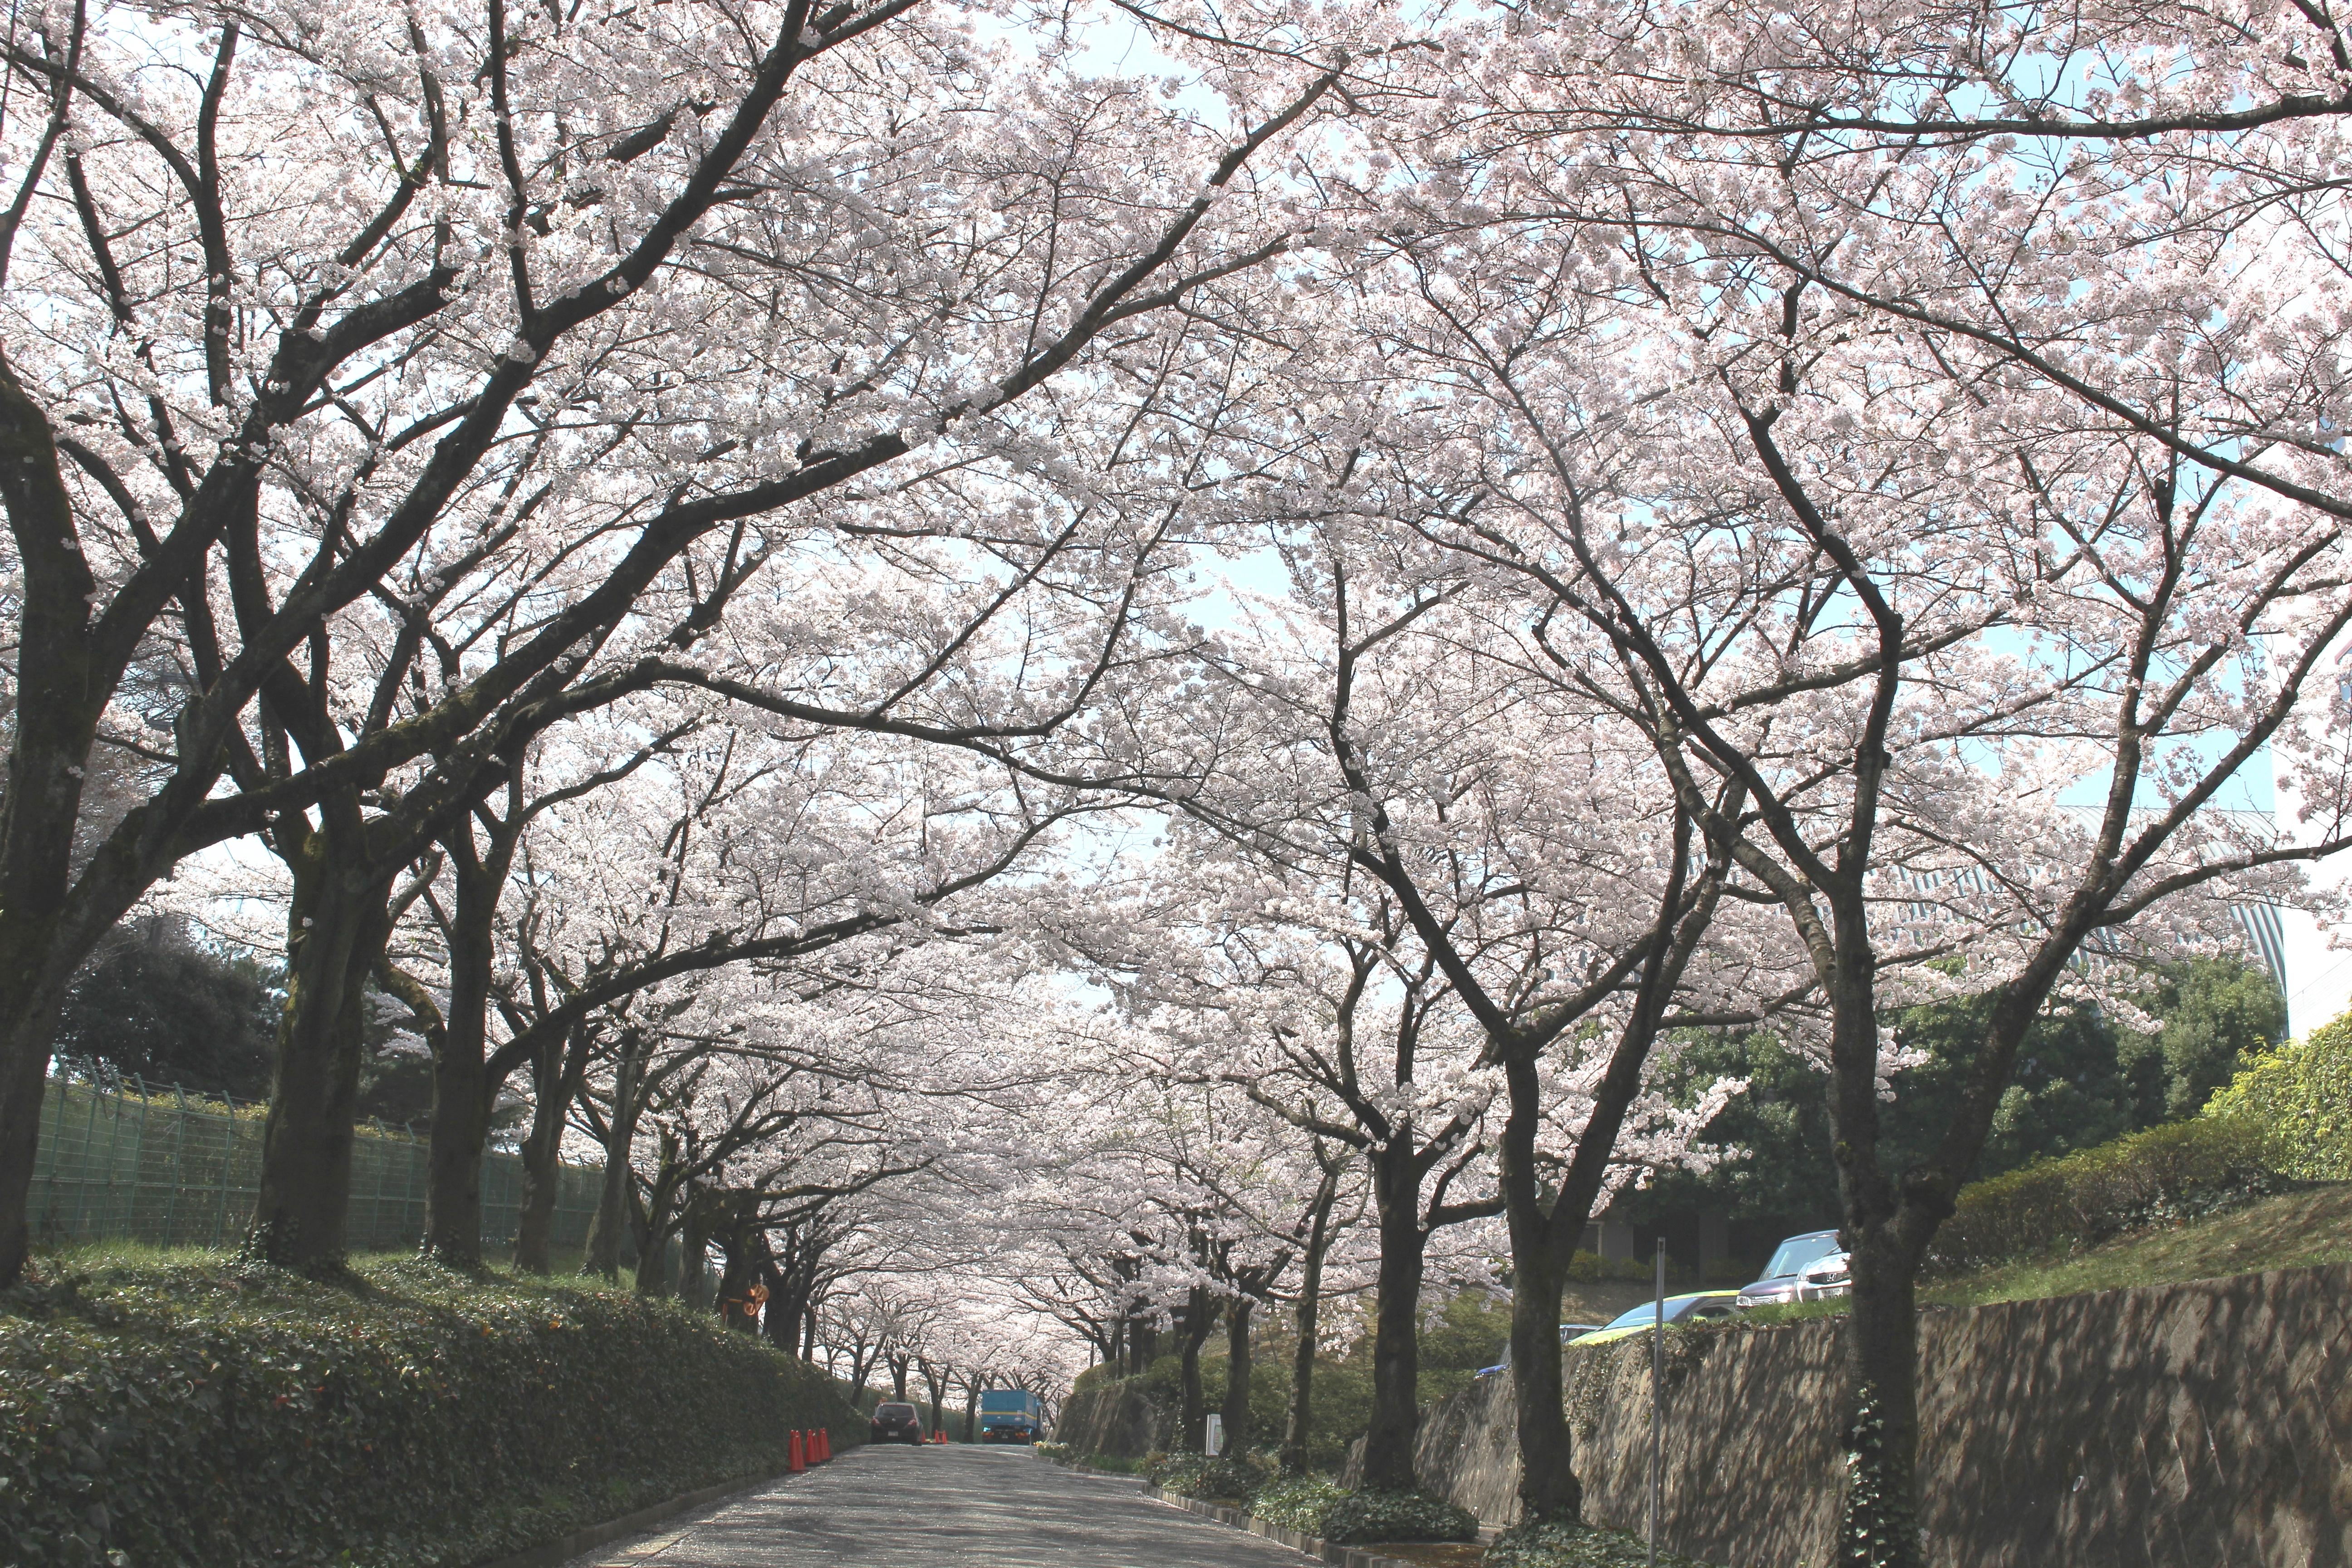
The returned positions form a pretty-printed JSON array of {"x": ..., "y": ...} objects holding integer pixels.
[
  {"x": 1574, "y": 1546},
  {"x": 2302, "y": 1096},
  {"x": 2178, "y": 1171},
  {"x": 1199, "y": 1476},
  {"x": 1317, "y": 1507},
  {"x": 205, "y": 1415}
]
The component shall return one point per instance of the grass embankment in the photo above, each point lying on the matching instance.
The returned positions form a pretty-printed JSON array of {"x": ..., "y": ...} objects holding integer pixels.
[
  {"x": 181, "y": 1409},
  {"x": 2289, "y": 1230}
]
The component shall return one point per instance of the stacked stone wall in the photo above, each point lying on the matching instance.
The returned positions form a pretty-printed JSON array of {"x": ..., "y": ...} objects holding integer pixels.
[
  {"x": 2195, "y": 1425},
  {"x": 1114, "y": 1418}
]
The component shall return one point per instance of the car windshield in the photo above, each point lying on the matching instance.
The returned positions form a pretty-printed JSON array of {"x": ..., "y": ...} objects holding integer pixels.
[
  {"x": 1798, "y": 1251},
  {"x": 1647, "y": 1312}
]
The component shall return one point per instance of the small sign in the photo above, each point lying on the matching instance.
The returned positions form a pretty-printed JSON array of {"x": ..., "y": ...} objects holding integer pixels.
[{"x": 1214, "y": 1441}]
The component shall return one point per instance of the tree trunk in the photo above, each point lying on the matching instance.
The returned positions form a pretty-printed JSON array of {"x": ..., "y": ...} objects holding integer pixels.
[
  {"x": 1548, "y": 1488},
  {"x": 693, "y": 1254},
  {"x": 1236, "y": 1409},
  {"x": 655, "y": 1216},
  {"x": 1877, "y": 1525},
  {"x": 1396, "y": 1327},
  {"x": 338, "y": 924},
  {"x": 1142, "y": 1345},
  {"x": 556, "y": 1078},
  {"x": 453, "y": 1160},
  {"x": 937, "y": 1382},
  {"x": 1302, "y": 1363},
  {"x": 971, "y": 1412},
  {"x": 603, "y": 1256},
  {"x": 56, "y": 721},
  {"x": 462, "y": 1090},
  {"x": 898, "y": 1367},
  {"x": 1200, "y": 1317}
]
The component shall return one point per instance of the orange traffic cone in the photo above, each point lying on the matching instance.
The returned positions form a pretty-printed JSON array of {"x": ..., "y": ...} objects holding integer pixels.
[
  {"x": 823, "y": 1445},
  {"x": 796, "y": 1459}
]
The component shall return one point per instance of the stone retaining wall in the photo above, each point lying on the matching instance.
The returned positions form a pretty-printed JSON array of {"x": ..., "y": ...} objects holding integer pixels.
[
  {"x": 2197, "y": 1425},
  {"x": 1115, "y": 1419}
]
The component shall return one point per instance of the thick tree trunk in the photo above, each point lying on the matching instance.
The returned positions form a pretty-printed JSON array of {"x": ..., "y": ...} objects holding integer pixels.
[
  {"x": 693, "y": 1255},
  {"x": 462, "y": 1092},
  {"x": 1142, "y": 1345},
  {"x": 339, "y": 923},
  {"x": 55, "y": 720},
  {"x": 1296, "y": 1426},
  {"x": 1396, "y": 1327},
  {"x": 612, "y": 1216},
  {"x": 937, "y": 1382},
  {"x": 556, "y": 1078},
  {"x": 971, "y": 1412},
  {"x": 1236, "y": 1408},
  {"x": 453, "y": 1160},
  {"x": 1200, "y": 1317},
  {"x": 1877, "y": 1527},
  {"x": 1548, "y": 1488}
]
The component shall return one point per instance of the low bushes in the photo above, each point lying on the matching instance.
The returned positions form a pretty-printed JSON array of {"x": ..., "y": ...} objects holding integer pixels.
[
  {"x": 1315, "y": 1506},
  {"x": 2179, "y": 1171},
  {"x": 211, "y": 1416},
  {"x": 1573, "y": 1546},
  {"x": 2300, "y": 1095},
  {"x": 1227, "y": 1476}
]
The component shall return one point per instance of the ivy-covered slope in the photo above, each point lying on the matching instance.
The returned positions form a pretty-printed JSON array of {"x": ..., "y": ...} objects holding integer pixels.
[{"x": 211, "y": 1416}]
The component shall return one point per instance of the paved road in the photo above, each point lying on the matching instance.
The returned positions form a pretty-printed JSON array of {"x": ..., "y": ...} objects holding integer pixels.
[{"x": 938, "y": 1508}]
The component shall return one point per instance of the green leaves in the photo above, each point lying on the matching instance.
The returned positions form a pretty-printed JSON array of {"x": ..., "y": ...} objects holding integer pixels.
[
  {"x": 1317, "y": 1507},
  {"x": 175, "y": 1415}
]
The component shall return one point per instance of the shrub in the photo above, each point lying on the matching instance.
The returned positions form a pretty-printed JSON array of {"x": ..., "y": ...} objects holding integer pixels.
[
  {"x": 2178, "y": 1171},
  {"x": 1296, "y": 1502},
  {"x": 1573, "y": 1546},
  {"x": 1197, "y": 1476},
  {"x": 402, "y": 1418},
  {"x": 1314, "y": 1506},
  {"x": 2302, "y": 1095}
]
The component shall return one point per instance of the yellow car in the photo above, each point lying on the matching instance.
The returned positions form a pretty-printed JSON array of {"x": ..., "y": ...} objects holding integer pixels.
[{"x": 1693, "y": 1308}]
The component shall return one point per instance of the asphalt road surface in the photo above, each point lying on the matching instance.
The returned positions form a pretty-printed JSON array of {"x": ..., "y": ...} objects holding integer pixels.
[{"x": 938, "y": 1506}]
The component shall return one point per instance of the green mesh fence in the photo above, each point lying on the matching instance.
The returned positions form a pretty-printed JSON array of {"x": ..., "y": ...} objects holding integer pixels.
[{"x": 155, "y": 1166}]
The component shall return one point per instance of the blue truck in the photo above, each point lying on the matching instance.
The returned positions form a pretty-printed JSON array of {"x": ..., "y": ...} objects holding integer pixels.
[{"x": 1010, "y": 1415}]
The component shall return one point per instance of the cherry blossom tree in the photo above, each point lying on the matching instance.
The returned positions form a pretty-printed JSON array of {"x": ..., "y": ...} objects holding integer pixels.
[
  {"x": 1944, "y": 658},
  {"x": 523, "y": 341}
]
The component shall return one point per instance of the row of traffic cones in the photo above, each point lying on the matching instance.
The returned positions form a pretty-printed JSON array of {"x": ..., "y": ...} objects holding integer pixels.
[{"x": 809, "y": 1449}]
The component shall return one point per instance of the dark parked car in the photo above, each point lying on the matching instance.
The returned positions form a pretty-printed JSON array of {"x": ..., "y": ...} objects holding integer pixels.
[
  {"x": 898, "y": 1424},
  {"x": 1784, "y": 1276}
]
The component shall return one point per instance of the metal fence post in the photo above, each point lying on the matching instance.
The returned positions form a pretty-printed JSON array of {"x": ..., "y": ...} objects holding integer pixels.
[
  {"x": 89, "y": 1152},
  {"x": 229, "y": 1163},
  {"x": 130, "y": 1227},
  {"x": 179, "y": 1143}
]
